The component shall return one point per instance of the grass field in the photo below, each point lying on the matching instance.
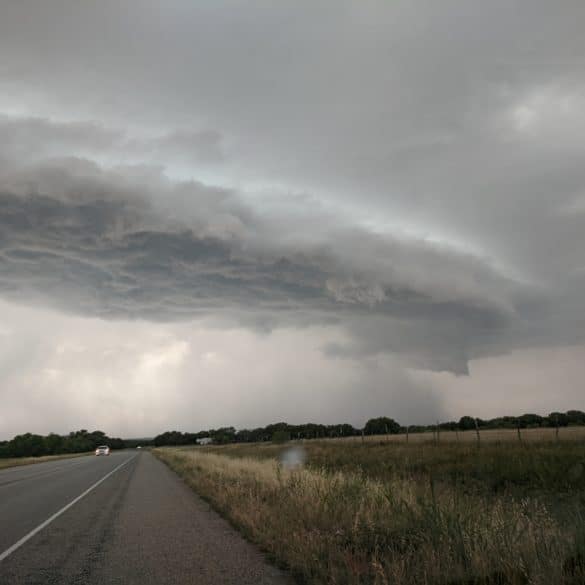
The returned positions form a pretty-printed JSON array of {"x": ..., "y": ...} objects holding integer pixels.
[
  {"x": 390, "y": 512},
  {"x": 17, "y": 461}
]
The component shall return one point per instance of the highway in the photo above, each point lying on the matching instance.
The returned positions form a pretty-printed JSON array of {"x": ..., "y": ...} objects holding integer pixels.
[{"x": 121, "y": 519}]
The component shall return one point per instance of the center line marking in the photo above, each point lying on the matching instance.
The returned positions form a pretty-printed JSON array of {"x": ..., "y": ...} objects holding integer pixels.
[{"x": 56, "y": 515}]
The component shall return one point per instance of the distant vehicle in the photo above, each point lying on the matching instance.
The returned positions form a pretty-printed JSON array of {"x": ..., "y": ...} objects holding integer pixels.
[
  {"x": 102, "y": 450},
  {"x": 139, "y": 447}
]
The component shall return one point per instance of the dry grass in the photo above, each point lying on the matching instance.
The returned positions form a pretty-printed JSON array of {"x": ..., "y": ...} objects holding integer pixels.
[
  {"x": 523, "y": 468},
  {"x": 17, "y": 461},
  {"x": 331, "y": 526}
]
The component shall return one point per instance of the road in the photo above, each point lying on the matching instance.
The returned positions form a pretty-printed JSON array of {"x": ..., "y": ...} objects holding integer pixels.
[{"x": 121, "y": 519}]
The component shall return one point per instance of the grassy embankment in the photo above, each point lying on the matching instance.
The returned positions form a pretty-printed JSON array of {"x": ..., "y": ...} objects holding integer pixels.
[
  {"x": 417, "y": 513},
  {"x": 17, "y": 461}
]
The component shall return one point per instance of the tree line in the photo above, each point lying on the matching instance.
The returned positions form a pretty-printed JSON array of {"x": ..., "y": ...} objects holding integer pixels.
[
  {"x": 283, "y": 431},
  {"x": 31, "y": 445}
]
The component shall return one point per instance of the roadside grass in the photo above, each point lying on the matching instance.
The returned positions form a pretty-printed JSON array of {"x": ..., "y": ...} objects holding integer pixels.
[
  {"x": 403, "y": 514},
  {"x": 554, "y": 468},
  {"x": 18, "y": 461}
]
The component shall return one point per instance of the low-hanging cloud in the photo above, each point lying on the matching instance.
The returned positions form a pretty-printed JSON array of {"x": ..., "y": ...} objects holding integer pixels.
[{"x": 129, "y": 243}]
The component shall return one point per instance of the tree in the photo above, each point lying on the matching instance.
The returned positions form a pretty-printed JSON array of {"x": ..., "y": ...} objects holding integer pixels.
[
  {"x": 54, "y": 444},
  {"x": 281, "y": 436},
  {"x": 529, "y": 420},
  {"x": 466, "y": 423},
  {"x": 381, "y": 426},
  {"x": 576, "y": 417},
  {"x": 27, "y": 445},
  {"x": 558, "y": 419}
]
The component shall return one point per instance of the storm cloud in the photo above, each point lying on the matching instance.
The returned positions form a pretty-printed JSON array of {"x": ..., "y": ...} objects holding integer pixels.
[
  {"x": 97, "y": 243},
  {"x": 405, "y": 176}
]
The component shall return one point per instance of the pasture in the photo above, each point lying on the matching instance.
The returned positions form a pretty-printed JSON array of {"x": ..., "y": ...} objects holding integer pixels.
[{"x": 387, "y": 511}]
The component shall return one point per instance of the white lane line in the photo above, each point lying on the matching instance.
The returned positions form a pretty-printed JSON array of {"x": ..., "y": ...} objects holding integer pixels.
[{"x": 56, "y": 515}]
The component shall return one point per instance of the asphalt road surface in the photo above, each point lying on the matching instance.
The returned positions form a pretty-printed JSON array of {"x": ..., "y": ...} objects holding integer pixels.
[{"x": 121, "y": 519}]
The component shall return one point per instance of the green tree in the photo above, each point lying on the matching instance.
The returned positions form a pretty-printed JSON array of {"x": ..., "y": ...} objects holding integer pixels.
[
  {"x": 280, "y": 436},
  {"x": 466, "y": 423},
  {"x": 382, "y": 426}
]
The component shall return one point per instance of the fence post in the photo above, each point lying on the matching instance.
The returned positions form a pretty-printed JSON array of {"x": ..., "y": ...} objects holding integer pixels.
[{"x": 477, "y": 431}]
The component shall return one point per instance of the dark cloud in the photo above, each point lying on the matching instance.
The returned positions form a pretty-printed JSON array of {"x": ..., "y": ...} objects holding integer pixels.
[
  {"x": 77, "y": 254},
  {"x": 409, "y": 171},
  {"x": 96, "y": 243}
]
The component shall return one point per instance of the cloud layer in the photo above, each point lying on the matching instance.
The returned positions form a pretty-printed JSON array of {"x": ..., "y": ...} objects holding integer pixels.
[
  {"x": 113, "y": 244},
  {"x": 407, "y": 177}
]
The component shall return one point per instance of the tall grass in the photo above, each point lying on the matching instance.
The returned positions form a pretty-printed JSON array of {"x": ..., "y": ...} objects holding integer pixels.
[
  {"x": 346, "y": 526},
  {"x": 521, "y": 468}
]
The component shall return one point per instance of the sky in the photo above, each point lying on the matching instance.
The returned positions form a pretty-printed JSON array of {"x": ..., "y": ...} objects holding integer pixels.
[{"x": 235, "y": 213}]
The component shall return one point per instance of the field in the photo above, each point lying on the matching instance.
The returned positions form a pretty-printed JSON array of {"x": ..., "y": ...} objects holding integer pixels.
[
  {"x": 17, "y": 461},
  {"x": 390, "y": 512}
]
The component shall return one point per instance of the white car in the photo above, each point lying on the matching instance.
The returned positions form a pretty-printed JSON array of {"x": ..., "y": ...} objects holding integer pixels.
[{"x": 103, "y": 450}]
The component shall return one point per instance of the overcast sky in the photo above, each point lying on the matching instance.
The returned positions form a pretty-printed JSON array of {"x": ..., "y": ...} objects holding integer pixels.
[{"x": 233, "y": 213}]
